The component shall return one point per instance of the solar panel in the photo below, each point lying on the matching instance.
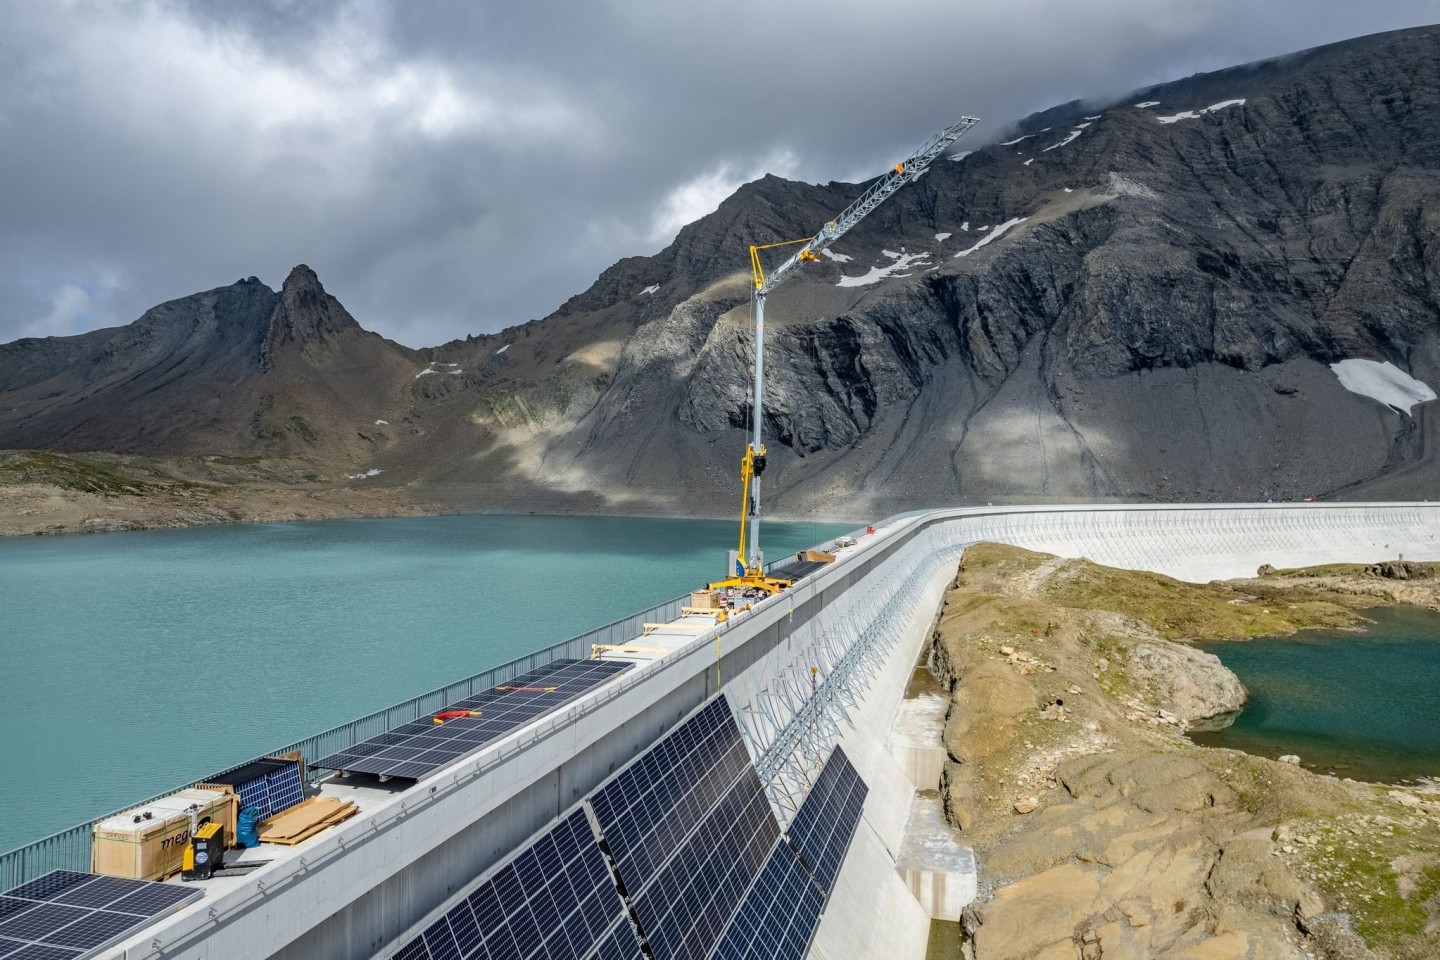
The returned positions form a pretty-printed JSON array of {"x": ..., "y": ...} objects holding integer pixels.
[
  {"x": 417, "y": 749},
  {"x": 683, "y": 908},
  {"x": 826, "y": 820},
  {"x": 278, "y": 792},
  {"x": 270, "y": 785},
  {"x": 553, "y": 899},
  {"x": 797, "y": 569},
  {"x": 779, "y": 914},
  {"x": 688, "y": 825},
  {"x": 66, "y": 915}
]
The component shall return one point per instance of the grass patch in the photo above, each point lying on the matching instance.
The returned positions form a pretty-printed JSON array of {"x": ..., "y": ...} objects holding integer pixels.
[
  {"x": 236, "y": 461},
  {"x": 1182, "y": 611},
  {"x": 70, "y": 473},
  {"x": 1389, "y": 910},
  {"x": 1321, "y": 570},
  {"x": 991, "y": 560},
  {"x": 1115, "y": 679}
]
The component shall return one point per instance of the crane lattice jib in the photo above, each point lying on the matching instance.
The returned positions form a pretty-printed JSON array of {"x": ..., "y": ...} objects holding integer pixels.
[{"x": 879, "y": 191}]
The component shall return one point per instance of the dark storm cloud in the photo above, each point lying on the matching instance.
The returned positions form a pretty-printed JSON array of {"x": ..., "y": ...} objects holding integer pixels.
[{"x": 455, "y": 167}]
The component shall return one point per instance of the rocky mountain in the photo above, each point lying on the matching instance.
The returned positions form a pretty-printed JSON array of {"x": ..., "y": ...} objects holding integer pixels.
[
  {"x": 1221, "y": 288},
  {"x": 236, "y": 370}
]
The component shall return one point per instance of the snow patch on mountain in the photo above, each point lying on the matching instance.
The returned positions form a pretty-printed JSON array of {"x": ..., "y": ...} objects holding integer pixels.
[
  {"x": 1195, "y": 114},
  {"x": 1079, "y": 129},
  {"x": 1382, "y": 381},
  {"x": 992, "y": 235},
  {"x": 903, "y": 261}
]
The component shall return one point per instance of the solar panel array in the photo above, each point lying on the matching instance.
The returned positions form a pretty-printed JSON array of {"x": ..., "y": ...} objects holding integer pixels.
[
  {"x": 417, "y": 749},
  {"x": 270, "y": 785},
  {"x": 554, "y": 899},
  {"x": 66, "y": 915},
  {"x": 696, "y": 848},
  {"x": 825, "y": 822},
  {"x": 689, "y": 826},
  {"x": 779, "y": 914},
  {"x": 273, "y": 793},
  {"x": 646, "y": 809},
  {"x": 798, "y": 569},
  {"x": 781, "y": 911}
]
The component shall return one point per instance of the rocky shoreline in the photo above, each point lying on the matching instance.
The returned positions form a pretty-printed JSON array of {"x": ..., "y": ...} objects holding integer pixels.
[
  {"x": 44, "y": 493},
  {"x": 1103, "y": 833}
]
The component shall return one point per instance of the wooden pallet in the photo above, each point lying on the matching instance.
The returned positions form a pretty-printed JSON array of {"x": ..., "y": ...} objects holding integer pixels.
[{"x": 305, "y": 820}]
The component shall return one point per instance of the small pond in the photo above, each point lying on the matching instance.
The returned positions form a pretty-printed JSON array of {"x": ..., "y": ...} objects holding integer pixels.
[{"x": 1357, "y": 704}]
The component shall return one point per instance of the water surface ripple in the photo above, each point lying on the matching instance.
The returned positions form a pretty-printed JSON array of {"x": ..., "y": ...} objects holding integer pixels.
[
  {"x": 1362, "y": 705},
  {"x": 135, "y": 661}
]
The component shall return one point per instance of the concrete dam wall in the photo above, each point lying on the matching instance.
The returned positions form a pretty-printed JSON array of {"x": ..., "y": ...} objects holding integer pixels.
[{"x": 373, "y": 885}]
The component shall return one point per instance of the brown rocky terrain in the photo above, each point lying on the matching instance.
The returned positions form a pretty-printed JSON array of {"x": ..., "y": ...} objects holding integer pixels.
[
  {"x": 1103, "y": 833},
  {"x": 42, "y": 492}
]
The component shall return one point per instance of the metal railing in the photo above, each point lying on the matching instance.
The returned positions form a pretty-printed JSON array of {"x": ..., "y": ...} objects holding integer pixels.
[{"x": 71, "y": 849}]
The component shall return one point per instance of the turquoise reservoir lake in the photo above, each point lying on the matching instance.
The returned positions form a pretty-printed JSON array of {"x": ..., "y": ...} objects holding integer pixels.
[
  {"x": 134, "y": 662},
  {"x": 1362, "y": 705}
]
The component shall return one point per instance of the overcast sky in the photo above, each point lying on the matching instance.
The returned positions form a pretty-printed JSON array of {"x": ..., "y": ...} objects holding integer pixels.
[{"x": 457, "y": 166}]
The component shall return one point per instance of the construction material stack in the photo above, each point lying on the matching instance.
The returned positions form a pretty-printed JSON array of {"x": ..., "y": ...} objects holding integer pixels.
[{"x": 149, "y": 842}]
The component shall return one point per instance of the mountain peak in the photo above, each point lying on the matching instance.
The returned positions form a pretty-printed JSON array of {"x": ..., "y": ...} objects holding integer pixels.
[
  {"x": 307, "y": 315},
  {"x": 302, "y": 276}
]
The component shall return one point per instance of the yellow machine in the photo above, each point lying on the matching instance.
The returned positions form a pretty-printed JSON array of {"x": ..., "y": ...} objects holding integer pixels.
[
  {"x": 205, "y": 854},
  {"x": 751, "y": 574},
  {"x": 747, "y": 570}
]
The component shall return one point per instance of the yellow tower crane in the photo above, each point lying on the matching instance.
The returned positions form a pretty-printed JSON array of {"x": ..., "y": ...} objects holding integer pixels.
[{"x": 749, "y": 566}]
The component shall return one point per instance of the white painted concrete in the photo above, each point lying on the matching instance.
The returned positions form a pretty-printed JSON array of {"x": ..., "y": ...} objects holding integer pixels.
[
  {"x": 1200, "y": 543},
  {"x": 938, "y": 869},
  {"x": 871, "y": 913},
  {"x": 350, "y": 890},
  {"x": 917, "y": 739}
]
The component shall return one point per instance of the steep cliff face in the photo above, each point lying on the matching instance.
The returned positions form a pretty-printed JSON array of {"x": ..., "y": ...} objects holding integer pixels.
[
  {"x": 1137, "y": 300},
  {"x": 1127, "y": 301}
]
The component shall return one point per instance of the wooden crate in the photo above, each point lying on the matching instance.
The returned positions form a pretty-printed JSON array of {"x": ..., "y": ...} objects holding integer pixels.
[
  {"x": 705, "y": 599},
  {"x": 152, "y": 849}
]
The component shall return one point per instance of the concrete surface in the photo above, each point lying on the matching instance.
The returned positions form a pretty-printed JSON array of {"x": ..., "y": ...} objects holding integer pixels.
[{"x": 353, "y": 889}]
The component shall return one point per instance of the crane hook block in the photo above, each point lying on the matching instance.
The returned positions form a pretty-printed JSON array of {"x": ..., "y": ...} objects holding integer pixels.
[{"x": 900, "y": 168}]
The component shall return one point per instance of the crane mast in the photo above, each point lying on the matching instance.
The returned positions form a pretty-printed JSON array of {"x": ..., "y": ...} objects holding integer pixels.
[{"x": 752, "y": 465}]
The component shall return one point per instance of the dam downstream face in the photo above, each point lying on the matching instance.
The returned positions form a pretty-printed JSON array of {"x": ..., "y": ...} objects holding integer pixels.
[
  {"x": 137, "y": 661},
  {"x": 1363, "y": 705}
]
